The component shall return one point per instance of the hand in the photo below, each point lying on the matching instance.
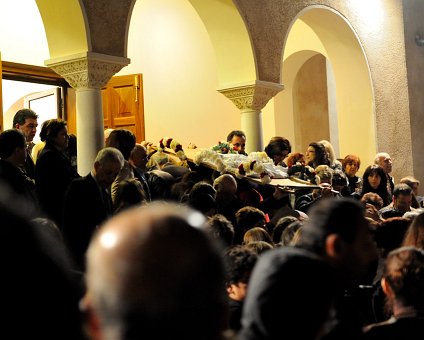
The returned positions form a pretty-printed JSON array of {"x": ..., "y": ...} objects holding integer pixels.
[{"x": 326, "y": 190}]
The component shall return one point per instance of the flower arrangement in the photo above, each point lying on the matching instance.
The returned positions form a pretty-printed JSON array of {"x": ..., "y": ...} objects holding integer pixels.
[
  {"x": 303, "y": 172},
  {"x": 223, "y": 147},
  {"x": 171, "y": 143},
  {"x": 249, "y": 167},
  {"x": 210, "y": 156}
]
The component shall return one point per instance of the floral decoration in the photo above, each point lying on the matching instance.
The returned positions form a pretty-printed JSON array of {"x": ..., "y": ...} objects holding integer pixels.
[
  {"x": 223, "y": 147},
  {"x": 210, "y": 156},
  {"x": 253, "y": 167}
]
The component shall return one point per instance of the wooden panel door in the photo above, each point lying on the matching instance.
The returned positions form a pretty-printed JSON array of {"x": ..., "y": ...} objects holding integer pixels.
[{"x": 123, "y": 104}]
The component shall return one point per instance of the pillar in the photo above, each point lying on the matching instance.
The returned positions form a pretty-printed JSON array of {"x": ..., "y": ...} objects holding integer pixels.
[
  {"x": 87, "y": 73},
  {"x": 250, "y": 100}
]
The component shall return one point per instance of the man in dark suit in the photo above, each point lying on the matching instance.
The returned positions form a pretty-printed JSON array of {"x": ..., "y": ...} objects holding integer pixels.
[
  {"x": 88, "y": 203},
  {"x": 26, "y": 121}
]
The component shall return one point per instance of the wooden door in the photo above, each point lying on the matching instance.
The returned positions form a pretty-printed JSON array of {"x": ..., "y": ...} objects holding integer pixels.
[{"x": 123, "y": 104}]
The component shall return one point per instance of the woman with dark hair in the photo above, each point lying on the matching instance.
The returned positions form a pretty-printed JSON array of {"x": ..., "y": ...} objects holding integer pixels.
[
  {"x": 316, "y": 155},
  {"x": 278, "y": 149},
  {"x": 375, "y": 180},
  {"x": 53, "y": 170}
]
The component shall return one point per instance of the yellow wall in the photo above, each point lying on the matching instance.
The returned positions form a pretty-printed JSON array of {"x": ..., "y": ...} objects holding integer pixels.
[{"x": 170, "y": 46}]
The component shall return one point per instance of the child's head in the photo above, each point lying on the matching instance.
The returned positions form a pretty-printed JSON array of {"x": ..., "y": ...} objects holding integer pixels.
[{"x": 239, "y": 262}]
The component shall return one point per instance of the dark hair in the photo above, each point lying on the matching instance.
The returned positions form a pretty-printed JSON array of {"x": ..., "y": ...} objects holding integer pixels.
[
  {"x": 374, "y": 199},
  {"x": 237, "y": 133},
  {"x": 22, "y": 115},
  {"x": 402, "y": 189},
  {"x": 321, "y": 155},
  {"x": 404, "y": 273},
  {"x": 220, "y": 228},
  {"x": 282, "y": 224},
  {"x": 123, "y": 140},
  {"x": 239, "y": 262},
  {"x": 382, "y": 188},
  {"x": 277, "y": 145},
  {"x": 341, "y": 216},
  {"x": 10, "y": 140},
  {"x": 50, "y": 128}
]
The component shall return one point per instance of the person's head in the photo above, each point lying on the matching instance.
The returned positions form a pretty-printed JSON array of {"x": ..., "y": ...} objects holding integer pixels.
[
  {"x": 220, "y": 229},
  {"x": 373, "y": 199},
  {"x": 239, "y": 262},
  {"x": 402, "y": 197},
  {"x": 202, "y": 198},
  {"x": 414, "y": 235},
  {"x": 249, "y": 217},
  {"x": 384, "y": 160},
  {"x": 289, "y": 232},
  {"x": 325, "y": 173},
  {"x": 256, "y": 234},
  {"x": 330, "y": 150},
  {"x": 338, "y": 231},
  {"x": 259, "y": 247},
  {"x": 351, "y": 164},
  {"x": 280, "y": 226},
  {"x": 139, "y": 157},
  {"x": 412, "y": 182},
  {"x": 374, "y": 178},
  {"x": 26, "y": 121},
  {"x": 278, "y": 149},
  {"x": 339, "y": 180},
  {"x": 225, "y": 185},
  {"x": 403, "y": 279},
  {"x": 152, "y": 272},
  {"x": 107, "y": 165},
  {"x": 122, "y": 139},
  {"x": 55, "y": 133},
  {"x": 129, "y": 193},
  {"x": 237, "y": 140},
  {"x": 316, "y": 155},
  {"x": 13, "y": 147},
  {"x": 390, "y": 234}
]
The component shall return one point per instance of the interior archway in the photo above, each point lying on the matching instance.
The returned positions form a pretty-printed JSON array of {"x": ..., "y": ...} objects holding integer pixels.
[{"x": 345, "y": 74}]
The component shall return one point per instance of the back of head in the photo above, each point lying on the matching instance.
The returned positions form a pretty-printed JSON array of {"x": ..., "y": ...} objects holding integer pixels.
[
  {"x": 221, "y": 229},
  {"x": 153, "y": 273},
  {"x": 404, "y": 274},
  {"x": 9, "y": 141},
  {"x": 123, "y": 140},
  {"x": 50, "y": 129},
  {"x": 277, "y": 145},
  {"x": 331, "y": 216}
]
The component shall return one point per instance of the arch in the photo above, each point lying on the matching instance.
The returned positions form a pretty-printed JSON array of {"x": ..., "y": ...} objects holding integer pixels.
[
  {"x": 65, "y": 26},
  {"x": 234, "y": 54},
  {"x": 322, "y": 30}
]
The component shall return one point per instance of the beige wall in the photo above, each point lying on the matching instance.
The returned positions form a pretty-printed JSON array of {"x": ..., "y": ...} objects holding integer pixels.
[
  {"x": 169, "y": 44},
  {"x": 310, "y": 104},
  {"x": 414, "y": 24}
]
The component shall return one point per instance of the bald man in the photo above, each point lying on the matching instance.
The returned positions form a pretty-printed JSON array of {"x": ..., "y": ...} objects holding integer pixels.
[{"x": 153, "y": 273}]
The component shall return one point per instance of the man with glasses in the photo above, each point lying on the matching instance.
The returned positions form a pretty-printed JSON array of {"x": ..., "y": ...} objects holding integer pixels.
[{"x": 26, "y": 121}]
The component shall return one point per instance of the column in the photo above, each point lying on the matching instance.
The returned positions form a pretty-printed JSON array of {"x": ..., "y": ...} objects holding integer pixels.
[
  {"x": 87, "y": 73},
  {"x": 250, "y": 100}
]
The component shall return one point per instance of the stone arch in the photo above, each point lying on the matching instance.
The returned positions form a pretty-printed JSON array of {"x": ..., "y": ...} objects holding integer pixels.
[
  {"x": 234, "y": 54},
  {"x": 347, "y": 84}
]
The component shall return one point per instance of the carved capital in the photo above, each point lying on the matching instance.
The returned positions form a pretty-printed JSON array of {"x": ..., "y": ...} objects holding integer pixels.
[
  {"x": 252, "y": 97},
  {"x": 87, "y": 70}
]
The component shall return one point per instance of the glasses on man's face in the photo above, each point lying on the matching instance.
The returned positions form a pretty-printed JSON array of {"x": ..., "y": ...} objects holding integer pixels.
[{"x": 239, "y": 145}]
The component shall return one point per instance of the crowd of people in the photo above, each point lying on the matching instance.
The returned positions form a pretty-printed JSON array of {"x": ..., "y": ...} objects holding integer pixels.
[{"x": 135, "y": 250}]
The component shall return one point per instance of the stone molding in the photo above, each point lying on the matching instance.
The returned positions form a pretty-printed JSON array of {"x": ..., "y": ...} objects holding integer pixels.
[
  {"x": 87, "y": 70},
  {"x": 252, "y": 97}
]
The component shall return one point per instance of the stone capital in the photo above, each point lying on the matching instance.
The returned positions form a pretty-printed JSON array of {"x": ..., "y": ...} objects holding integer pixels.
[
  {"x": 252, "y": 96},
  {"x": 88, "y": 69}
]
